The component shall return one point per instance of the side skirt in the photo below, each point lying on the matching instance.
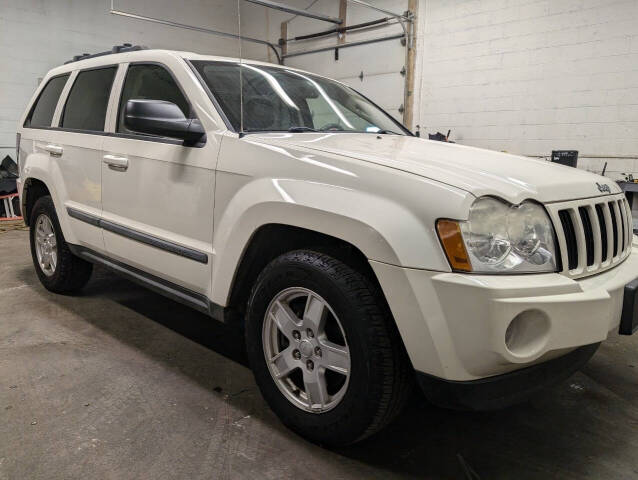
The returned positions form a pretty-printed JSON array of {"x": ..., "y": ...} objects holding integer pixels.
[{"x": 175, "y": 292}]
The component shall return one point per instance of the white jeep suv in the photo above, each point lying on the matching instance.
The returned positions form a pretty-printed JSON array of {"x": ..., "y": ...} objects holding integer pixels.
[{"x": 358, "y": 258}]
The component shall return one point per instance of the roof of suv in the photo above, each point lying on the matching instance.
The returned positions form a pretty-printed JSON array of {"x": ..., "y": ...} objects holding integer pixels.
[
  {"x": 160, "y": 55},
  {"x": 146, "y": 55}
]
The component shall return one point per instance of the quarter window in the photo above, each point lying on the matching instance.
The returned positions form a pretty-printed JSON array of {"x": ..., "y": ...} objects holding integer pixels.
[
  {"x": 88, "y": 100},
  {"x": 42, "y": 112},
  {"x": 151, "y": 82}
]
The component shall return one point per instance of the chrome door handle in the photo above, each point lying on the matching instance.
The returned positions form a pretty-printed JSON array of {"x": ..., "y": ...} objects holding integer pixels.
[
  {"x": 54, "y": 150},
  {"x": 116, "y": 163}
]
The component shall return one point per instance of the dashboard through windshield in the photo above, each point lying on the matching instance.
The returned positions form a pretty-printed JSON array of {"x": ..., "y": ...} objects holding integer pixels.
[{"x": 284, "y": 100}]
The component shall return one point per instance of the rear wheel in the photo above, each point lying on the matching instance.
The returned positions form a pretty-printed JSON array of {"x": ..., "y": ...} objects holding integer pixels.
[
  {"x": 57, "y": 268},
  {"x": 324, "y": 349}
]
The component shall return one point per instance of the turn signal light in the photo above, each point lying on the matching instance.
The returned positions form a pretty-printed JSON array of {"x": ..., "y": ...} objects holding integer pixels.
[{"x": 450, "y": 235}]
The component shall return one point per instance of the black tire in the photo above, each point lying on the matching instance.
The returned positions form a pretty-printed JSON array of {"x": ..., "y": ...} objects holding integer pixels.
[
  {"x": 381, "y": 376},
  {"x": 71, "y": 273}
]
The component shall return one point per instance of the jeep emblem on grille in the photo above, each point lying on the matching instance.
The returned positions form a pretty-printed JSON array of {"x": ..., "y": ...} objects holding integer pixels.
[{"x": 603, "y": 187}]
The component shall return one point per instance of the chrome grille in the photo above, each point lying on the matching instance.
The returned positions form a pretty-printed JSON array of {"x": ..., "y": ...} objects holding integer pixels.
[{"x": 593, "y": 234}]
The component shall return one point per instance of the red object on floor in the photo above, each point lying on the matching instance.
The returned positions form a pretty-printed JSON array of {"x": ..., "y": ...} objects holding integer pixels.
[{"x": 7, "y": 204}]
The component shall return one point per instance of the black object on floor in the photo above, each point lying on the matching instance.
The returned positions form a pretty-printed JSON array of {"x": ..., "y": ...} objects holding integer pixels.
[{"x": 8, "y": 176}]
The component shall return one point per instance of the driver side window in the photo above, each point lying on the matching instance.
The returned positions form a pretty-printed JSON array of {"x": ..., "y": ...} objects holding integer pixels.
[{"x": 152, "y": 82}]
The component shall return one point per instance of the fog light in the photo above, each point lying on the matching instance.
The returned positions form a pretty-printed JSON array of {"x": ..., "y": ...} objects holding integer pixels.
[{"x": 527, "y": 333}]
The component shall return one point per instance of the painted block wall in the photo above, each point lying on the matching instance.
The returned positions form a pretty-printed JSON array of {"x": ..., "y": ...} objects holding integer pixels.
[
  {"x": 530, "y": 76},
  {"x": 524, "y": 76}
]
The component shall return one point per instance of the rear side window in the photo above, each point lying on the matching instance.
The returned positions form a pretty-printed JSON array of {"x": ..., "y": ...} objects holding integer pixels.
[
  {"x": 85, "y": 108},
  {"x": 42, "y": 112},
  {"x": 150, "y": 82}
]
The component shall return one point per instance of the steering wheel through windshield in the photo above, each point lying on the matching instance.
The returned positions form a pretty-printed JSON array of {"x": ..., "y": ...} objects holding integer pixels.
[{"x": 331, "y": 127}]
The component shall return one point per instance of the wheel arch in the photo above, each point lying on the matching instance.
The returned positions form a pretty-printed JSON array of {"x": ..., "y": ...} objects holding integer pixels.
[
  {"x": 39, "y": 181},
  {"x": 33, "y": 189},
  {"x": 274, "y": 239},
  {"x": 372, "y": 225}
]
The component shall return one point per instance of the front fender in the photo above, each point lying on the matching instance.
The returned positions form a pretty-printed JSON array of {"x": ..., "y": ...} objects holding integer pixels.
[{"x": 383, "y": 230}]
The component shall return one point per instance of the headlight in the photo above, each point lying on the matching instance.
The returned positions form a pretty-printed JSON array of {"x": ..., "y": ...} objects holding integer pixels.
[{"x": 500, "y": 238}]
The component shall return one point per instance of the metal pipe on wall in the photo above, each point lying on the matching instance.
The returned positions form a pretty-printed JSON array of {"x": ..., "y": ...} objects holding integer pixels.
[
  {"x": 288, "y": 9},
  {"x": 387, "y": 12},
  {"x": 344, "y": 45},
  {"x": 197, "y": 29},
  {"x": 358, "y": 26}
]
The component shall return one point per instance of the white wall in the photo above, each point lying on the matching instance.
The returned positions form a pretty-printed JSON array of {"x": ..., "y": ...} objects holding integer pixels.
[
  {"x": 37, "y": 35},
  {"x": 525, "y": 76},
  {"x": 529, "y": 76}
]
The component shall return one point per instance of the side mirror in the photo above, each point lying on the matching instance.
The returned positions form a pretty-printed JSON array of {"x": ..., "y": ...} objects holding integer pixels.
[{"x": 159, "y": 117}]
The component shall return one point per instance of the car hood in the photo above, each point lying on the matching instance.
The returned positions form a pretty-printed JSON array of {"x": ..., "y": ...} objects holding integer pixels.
[{"x": 476, "y": 170}]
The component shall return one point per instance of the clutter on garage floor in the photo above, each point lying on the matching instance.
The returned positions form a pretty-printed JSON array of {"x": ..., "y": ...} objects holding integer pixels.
[{"x": 9, "y": 201}]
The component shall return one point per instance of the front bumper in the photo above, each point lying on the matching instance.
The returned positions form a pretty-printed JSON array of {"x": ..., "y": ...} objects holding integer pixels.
[
  {"x": 504, "y": 390},
  {"x": 454, "y": 325}
]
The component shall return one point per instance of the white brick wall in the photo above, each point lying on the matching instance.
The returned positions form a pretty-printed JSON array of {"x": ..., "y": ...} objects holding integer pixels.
[
  {"x": 529, "y": 76},
  {"x": 36, "y": 35},
  {"x": 525, "y": 76}
]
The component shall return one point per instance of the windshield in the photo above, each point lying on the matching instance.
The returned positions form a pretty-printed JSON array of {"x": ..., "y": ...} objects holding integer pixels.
[{"x": 278, "y": 99}]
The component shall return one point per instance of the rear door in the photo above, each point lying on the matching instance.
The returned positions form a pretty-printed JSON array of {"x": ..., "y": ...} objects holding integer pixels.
[
  {"x": 157, "y": 193},
  {"x": 37, "y": 132},
  {"x": 75, "y": 147}
]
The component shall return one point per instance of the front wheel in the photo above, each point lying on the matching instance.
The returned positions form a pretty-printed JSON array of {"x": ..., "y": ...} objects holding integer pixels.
[{"x": 324, "y": 349}]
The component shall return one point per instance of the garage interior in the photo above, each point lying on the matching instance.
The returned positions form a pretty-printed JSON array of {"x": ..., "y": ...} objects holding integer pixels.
[{"x": 120, "y": 382}]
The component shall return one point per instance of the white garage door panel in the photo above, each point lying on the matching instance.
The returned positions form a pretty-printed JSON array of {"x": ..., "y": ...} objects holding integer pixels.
[
  {"x": 380, "y": 63},
  {"x": 303, "y": 25},
  {"x": 395, "y": 113},
  {"x": 380, "y": 57},
  {"x": 355, "y": 13},
  {"x": 385, "y": 90}
]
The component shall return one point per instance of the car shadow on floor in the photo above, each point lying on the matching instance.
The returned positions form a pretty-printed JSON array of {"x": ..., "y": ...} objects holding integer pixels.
[{"x": 574, "y": 430}]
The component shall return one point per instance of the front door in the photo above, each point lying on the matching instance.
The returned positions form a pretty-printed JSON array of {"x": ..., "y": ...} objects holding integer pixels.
[{"x": 157, "y": 194}]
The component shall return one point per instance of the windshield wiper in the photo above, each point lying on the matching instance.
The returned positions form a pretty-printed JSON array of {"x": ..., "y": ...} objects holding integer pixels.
[
  {"x": 297, "y": 129},
  {"x": 389, "y": 132}
]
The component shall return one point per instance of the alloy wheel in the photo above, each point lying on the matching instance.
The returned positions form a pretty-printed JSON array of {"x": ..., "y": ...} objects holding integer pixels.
[
  {"x": 46, "y": 248},
  {"x": 306, "y": 350}
]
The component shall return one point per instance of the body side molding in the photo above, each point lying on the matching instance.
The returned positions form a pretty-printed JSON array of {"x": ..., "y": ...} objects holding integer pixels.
[{"x": 138, "y": 236}]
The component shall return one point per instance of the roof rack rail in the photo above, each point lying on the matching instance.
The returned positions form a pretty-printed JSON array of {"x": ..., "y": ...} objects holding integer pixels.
[{"x": 125, "y": 47}]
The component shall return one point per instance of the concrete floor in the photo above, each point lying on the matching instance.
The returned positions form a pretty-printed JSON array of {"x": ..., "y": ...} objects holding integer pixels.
[{"x": 122, "y": 383}]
